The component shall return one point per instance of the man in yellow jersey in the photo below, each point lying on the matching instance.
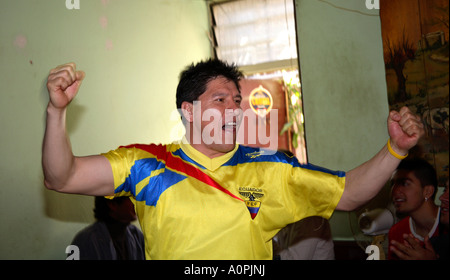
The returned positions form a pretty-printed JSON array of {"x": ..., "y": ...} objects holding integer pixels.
[{"x": 207, "y": 197}]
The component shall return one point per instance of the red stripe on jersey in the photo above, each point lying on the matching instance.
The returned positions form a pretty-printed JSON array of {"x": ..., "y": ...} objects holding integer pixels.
[{"x": 179, "y": 165}]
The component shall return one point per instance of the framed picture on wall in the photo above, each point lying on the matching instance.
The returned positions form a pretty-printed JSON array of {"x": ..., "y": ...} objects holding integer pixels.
[{"x": 416, "y": 55}]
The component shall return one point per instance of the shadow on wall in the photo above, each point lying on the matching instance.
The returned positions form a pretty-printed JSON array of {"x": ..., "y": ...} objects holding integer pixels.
[{"x": 68, "y": 207}]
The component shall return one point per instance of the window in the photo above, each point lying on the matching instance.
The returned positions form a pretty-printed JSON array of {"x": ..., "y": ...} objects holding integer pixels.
[
  {"x": 260, "y": 37},
  {"x": 251, "y": 32}
]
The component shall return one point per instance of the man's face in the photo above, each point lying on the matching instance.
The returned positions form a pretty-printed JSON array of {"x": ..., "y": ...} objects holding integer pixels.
[
  {"x": 122, "y": 211},
  {"x": 217, "y": 115},
  {"x": 407, "y": 192}
]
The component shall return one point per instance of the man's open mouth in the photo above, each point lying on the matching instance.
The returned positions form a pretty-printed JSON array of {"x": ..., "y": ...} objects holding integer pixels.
[{"x": 229, "y": 126}]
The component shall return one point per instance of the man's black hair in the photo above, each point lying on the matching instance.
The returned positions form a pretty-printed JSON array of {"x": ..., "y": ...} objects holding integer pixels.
[
  {"x": 102, "y": 210},
  {"x": 423, "y": 170},
  {"x": 194, "y": 78}
]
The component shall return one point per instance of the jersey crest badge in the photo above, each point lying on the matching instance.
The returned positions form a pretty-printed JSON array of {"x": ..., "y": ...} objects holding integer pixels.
[{"x": 251, "y": 199}]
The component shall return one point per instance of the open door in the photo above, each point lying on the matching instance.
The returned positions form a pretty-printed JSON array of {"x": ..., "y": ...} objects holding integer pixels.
[{"x": 264, "y": 114}]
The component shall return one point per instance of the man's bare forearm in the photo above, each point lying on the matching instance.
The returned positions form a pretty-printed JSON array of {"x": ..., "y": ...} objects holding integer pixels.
[
  {"x": 365, "y": 181},
  {"x": 57, "y": 156}
]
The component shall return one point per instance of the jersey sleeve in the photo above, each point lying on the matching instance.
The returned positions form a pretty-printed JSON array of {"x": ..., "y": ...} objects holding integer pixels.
[
  {"x": 122, "y": 160},
  {"x": 313, "y": 191},
  {"x": 132, "y": 166}
]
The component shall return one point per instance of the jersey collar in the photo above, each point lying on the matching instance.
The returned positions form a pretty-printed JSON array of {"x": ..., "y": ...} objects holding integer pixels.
[{"x": 211, "y": 164}]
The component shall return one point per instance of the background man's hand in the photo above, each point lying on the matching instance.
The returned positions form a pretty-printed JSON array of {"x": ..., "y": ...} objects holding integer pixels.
[{"x": 412, "y": 249}]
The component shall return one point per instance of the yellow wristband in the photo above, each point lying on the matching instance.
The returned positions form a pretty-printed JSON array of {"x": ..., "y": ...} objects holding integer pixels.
[{"x": 393, "y": 152}]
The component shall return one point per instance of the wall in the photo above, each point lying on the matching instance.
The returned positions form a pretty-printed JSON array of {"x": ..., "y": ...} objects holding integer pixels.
[
  {"x": 132, "y": 53},
  {"x": 344, "y": 87}
]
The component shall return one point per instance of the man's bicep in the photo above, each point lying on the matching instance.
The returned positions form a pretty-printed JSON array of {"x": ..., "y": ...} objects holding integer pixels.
[{"x": 92, "y": 176}]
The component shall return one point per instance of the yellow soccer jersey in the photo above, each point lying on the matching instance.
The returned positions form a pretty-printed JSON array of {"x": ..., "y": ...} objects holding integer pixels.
[{"x": 193, "y": 207}]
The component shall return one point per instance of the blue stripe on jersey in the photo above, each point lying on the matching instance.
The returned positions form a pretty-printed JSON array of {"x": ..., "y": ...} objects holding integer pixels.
[
  {"x": 249, "y": 154},
  {"x": 324, "y": 170},
  {"x": 246, "y": 154},
  {"x": 142, "y": 169},
  {"x": 157, "y": 185},
  {"x": 139, "y": 171}
]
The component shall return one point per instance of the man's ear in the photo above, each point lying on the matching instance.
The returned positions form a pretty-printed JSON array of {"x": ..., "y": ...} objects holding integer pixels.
[
  {"x": 428, "y": 191},
  {"x": 187, "y": 111}
]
